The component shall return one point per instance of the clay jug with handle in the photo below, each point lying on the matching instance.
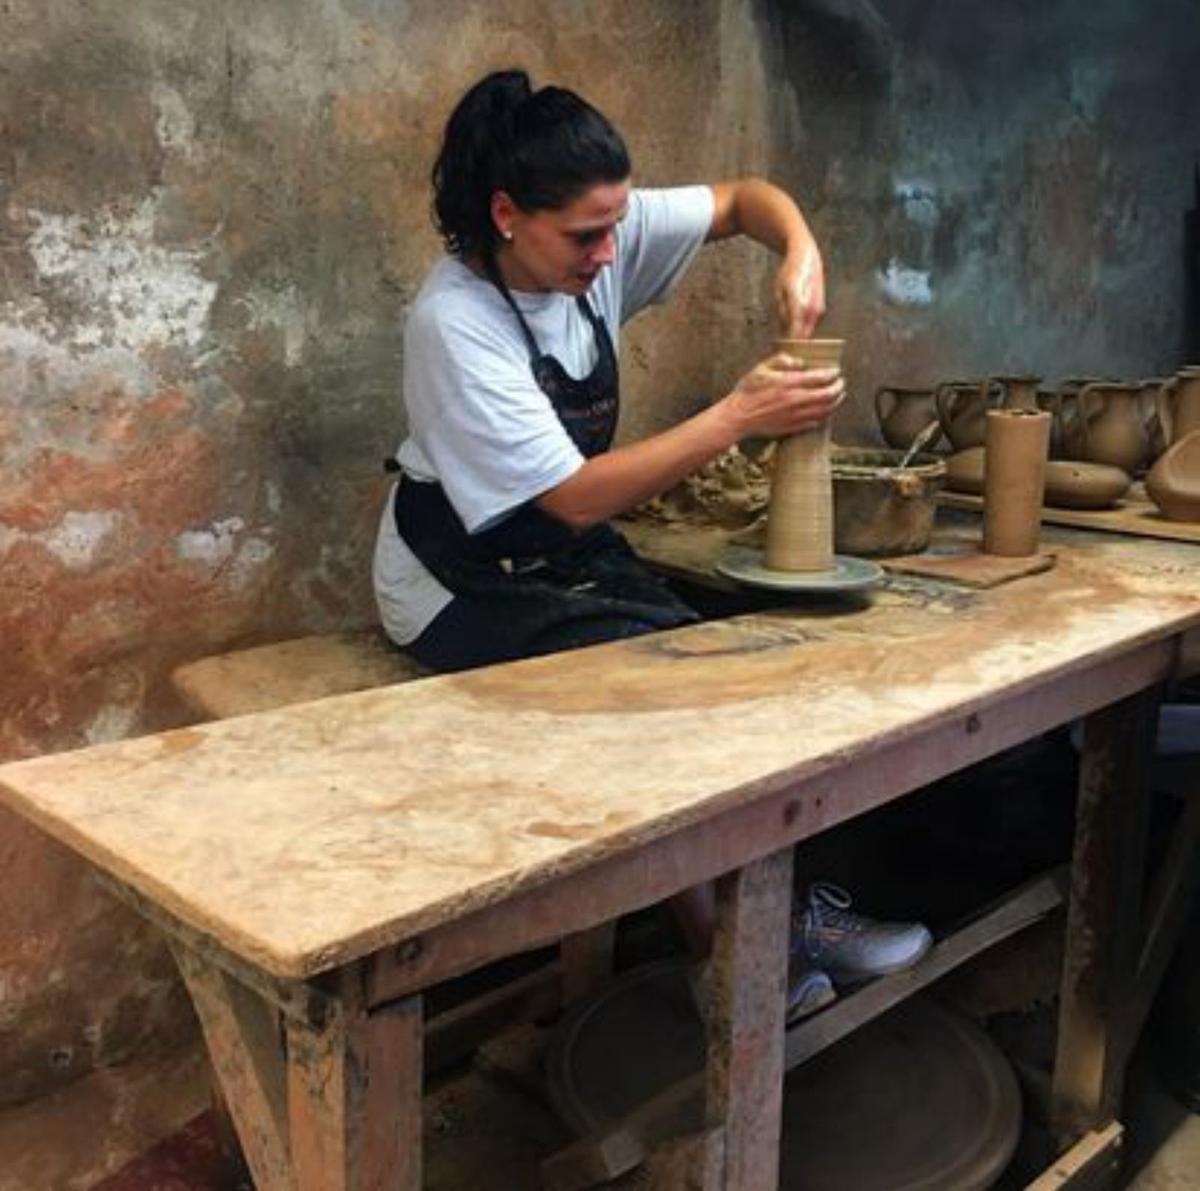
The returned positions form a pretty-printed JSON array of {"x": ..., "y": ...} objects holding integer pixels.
[
  {"x": 962, "y": 410},
  {"x": 1051, "y": 401},
  {"x": 903, "y": 414},
  {"x": 1113, "y": 424},
  {"x": 1071, "y": 443},
  {"x": 1178, "y": 405}
]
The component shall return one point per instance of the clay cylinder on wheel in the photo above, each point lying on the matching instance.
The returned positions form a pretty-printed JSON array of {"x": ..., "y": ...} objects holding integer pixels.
[{"x": 800, "y": 514}]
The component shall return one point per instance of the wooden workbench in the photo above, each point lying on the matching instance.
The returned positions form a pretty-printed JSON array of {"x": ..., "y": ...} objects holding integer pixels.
[{"x": 330, "y": 860}]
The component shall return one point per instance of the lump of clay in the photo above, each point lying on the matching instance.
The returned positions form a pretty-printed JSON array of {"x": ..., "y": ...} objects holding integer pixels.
[
  {"x": 731, "y": 491},
  {"x": 1174, "y": 481},
  {"x": 1071, "y": 484}
]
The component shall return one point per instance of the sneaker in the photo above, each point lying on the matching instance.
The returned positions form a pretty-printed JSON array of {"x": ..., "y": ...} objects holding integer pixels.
[
  {"x": 809, "y": 989},
  {"x": 849, "y": 946}
]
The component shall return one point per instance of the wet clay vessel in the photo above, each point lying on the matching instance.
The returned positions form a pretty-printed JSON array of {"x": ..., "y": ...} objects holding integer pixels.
[
  {"x": 1174, "y": 481},
  {"x": 1178, "y": 405},
  {"x": 880, "y": 509},
  {"x": 1113, "y": 425},
  {"x": 903, "y": 414},
  {"x": 1067, "y": 432},
  {"x": 1014, "y": 474},
  {"x": 962, "y": 410},
  {"x": 800, "y": 515}
]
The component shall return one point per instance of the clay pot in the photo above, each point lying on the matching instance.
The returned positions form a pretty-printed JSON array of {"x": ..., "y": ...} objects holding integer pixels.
[
  {"x": 881, "y": 509},
  {"x": 1071, "y": 484},
  {"x": 1177, "y": 402},
  {"x": 1113, "y": 425},
  {"x": 1067, "y": 432},
  {"x": 962, "y": 410},
  {"x": 903, "y": 414},
  {"x": 1174, "y": 481},
  {"x": 964, "y": 471},
  {"x": 1020, "y": 392},
  {"x": 1051, "y": 401}
]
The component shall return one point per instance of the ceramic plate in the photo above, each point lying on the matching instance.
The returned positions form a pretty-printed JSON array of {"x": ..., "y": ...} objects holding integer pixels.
[{"x": 745, "y": 564}]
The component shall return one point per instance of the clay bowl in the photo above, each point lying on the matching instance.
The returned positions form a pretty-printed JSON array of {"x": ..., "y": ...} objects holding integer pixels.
[
  {"x": 880, "y": 509},
  {"x": 1174, "y": 481},
  {"x": 1072, "y": 484}
]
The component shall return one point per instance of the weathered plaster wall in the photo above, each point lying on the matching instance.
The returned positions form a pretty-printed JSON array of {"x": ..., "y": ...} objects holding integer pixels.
[
  {"x": 999, "y": 187},
  {"x": 212, "y": 218}
]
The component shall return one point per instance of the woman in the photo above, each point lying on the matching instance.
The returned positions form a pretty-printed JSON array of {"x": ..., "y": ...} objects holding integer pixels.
[{"x": 495, "y": 543}]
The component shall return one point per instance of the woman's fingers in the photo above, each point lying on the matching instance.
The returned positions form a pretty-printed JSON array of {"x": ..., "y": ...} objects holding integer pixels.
[{"x": 800, "y": 295}]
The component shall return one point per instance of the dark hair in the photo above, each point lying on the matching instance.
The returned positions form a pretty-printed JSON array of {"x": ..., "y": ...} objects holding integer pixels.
[{"x": 543, "y": 148}]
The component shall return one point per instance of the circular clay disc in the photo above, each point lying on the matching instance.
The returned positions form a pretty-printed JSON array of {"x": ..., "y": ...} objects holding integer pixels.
[
  {"x": 746, "y": 565},
  {"x": 919, "y": 1099}
]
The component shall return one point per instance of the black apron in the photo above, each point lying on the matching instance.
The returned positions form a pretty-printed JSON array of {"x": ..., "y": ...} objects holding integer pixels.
[{"x": 530, "y": 584}]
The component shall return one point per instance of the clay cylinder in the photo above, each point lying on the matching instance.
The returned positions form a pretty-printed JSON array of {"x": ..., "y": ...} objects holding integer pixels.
[
  {"x": 800, "y": 514},
  {"x": 1014, "y": 477}
]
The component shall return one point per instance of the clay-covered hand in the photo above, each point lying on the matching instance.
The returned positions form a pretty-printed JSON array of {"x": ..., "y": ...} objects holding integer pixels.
[
  {"x": 800, "y": 291},
  {"x": 779, "y": 397}
]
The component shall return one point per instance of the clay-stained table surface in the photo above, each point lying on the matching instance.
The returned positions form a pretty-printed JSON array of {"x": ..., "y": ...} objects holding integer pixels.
[{"x": 304, "y": 838}]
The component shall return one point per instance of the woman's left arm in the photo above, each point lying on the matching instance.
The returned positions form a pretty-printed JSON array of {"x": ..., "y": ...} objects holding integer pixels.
[{"x": 756, "y": 208}]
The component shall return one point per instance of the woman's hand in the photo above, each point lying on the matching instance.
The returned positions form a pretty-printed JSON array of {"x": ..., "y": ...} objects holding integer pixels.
[
  {"x": 779, "y": 397},
  {"x": 800, "y": 291}
]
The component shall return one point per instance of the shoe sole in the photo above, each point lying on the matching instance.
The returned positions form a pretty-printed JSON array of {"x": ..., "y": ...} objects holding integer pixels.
[{"x": 848, "y": 978}]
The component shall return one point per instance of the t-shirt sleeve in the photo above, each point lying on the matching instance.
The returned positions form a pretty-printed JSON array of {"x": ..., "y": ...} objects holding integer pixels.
[
  {"x": 477, "y": 415},
  {"x": 658, "y": 239}
]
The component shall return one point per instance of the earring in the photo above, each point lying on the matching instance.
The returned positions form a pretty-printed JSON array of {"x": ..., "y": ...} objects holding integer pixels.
[{"x": 506, "y": 235}]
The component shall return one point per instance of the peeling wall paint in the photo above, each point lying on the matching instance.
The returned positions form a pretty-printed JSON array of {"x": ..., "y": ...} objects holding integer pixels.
[{"x": 131, "y": 291}]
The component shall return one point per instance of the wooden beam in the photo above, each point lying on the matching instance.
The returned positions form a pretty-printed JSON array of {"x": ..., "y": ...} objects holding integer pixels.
[
  {"x": 354, "y": 1099},
  {"x": 745, "y": 1018},
  {"x": 1103, "y": 919},
  {"x": 1092, "y": 1164},
  {"x": 587, "y": 960},
  {"x": 245, "y": 1046}
]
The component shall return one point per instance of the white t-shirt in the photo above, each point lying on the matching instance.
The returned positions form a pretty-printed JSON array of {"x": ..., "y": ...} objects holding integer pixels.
[{"x": 477, "y": 421}]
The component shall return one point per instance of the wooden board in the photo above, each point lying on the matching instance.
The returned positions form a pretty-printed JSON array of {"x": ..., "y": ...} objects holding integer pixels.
[
  {"x": 1135, "y": 515},
  {"x": 311, "y": 835},
  {"x": 970, "y": 566}
]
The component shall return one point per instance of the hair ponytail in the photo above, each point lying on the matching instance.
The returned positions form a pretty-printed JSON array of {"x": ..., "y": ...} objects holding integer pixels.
[{"x": 543, "y": 148}]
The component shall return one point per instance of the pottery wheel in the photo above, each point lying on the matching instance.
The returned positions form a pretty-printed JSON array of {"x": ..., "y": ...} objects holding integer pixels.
[
  {"x": 918, "y": 1100},
  {"x": 746, "y": 565}
]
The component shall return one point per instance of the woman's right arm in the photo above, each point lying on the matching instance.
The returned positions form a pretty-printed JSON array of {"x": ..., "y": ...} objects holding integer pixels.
[{"x": 775, "y": 399}]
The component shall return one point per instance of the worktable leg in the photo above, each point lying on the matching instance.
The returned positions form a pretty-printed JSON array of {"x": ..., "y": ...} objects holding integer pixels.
[
  {"x": 245, "y": 1045},
  {"x": 745, "y": 1020},
  {"x": 1104, "y": 917},
  {"x": 354, "y": 1099}
]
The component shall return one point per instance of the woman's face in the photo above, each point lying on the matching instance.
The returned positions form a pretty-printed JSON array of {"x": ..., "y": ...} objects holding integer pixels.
[{"x": 560, "y": 250}]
